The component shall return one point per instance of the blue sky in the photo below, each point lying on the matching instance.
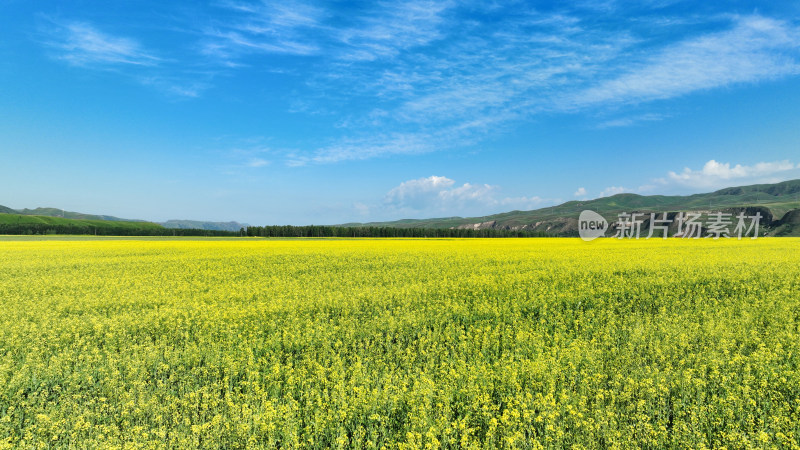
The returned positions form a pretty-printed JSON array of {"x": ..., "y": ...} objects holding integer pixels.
[{"x": 328, "y": 112}]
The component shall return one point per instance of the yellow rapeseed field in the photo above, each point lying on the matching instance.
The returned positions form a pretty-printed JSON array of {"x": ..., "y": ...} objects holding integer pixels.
[{"x": 514, "y": 343}]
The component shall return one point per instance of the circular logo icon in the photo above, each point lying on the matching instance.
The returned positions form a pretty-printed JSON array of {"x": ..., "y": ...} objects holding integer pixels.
[{"x": 591, "y": 225}]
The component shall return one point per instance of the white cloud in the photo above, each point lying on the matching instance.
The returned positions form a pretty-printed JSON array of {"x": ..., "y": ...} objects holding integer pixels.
[
  {"x": 613, "y": 190},
  {"x": 420, "y": 193},
  {"x": 580, "y": 192},
  {"x": 715, "y": 174},
  {"x": 81, "y": 44},
  {"x": 437, "y": 194}
]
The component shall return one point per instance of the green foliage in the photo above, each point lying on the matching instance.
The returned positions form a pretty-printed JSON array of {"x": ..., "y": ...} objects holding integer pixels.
[{"x": 385, "y": 232}]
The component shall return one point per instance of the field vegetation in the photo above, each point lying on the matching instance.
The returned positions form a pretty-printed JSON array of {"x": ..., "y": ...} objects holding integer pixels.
[{"x": 399, "y": 343}]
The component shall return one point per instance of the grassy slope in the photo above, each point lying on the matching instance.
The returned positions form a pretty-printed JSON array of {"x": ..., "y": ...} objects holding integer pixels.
[
  {"x": 180, "y": 224},
  {"x": 56, "y": 212},
  {"x": 14, "y": 219}
]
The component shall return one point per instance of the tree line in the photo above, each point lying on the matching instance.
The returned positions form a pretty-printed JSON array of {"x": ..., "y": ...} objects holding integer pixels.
[
  {"x": 280, "y": 231},
  {"x": 44, "y": 229},
  {"x": 388, "y": 232}
]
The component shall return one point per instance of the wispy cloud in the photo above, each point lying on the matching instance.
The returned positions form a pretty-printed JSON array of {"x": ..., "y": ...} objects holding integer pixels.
[
  {"x": 392, "y": 27},
  {"x": 476, "y": 81},
  {"x": 756, "y": 48},
  {"x": 268, "y": 27},
  {"x": 381, "y": 30},
  {"x": 82, "y": 44},
  {"x": 424, "y": 75},
  {"x": 365, "y": 145},
  {"x": 237, "y": 42}
]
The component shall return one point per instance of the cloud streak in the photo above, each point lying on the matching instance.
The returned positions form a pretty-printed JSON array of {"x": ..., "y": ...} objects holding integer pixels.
[
  {"x": 262, "y": 28},
  {"x": 756, "y": 48},
  {"x": 299, "y": 28},
  {"x": 81, "y": 44},
  {"x": 477, "y": 81},
  {"x": 392, "y": 28},
  {"x": 423, "y": 76}
]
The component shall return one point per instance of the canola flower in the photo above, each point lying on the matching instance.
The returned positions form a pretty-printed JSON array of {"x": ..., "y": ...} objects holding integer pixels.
[{"x": 480, "y": 343}]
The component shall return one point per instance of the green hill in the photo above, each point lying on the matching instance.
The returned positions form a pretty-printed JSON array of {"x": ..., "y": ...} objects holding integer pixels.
[
  {"x": 29, "y": 224},
  {"x": 56, "y": 212},
  {"x": 171, "y": 224},
  {"x": 776, "y": 199},
  {"x": 778, "y": 203},
  {"x": 19, "y": 223}
]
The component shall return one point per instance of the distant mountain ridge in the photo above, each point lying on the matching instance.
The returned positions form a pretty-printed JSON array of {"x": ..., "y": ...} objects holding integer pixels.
[
  {"x": 778, "y": 203},
  {"x": 55, "y": 212},
  {"x": 174, "y": 224},
  {"x": 200, "y": 225},
  {"x": 776, "y": 200}
]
